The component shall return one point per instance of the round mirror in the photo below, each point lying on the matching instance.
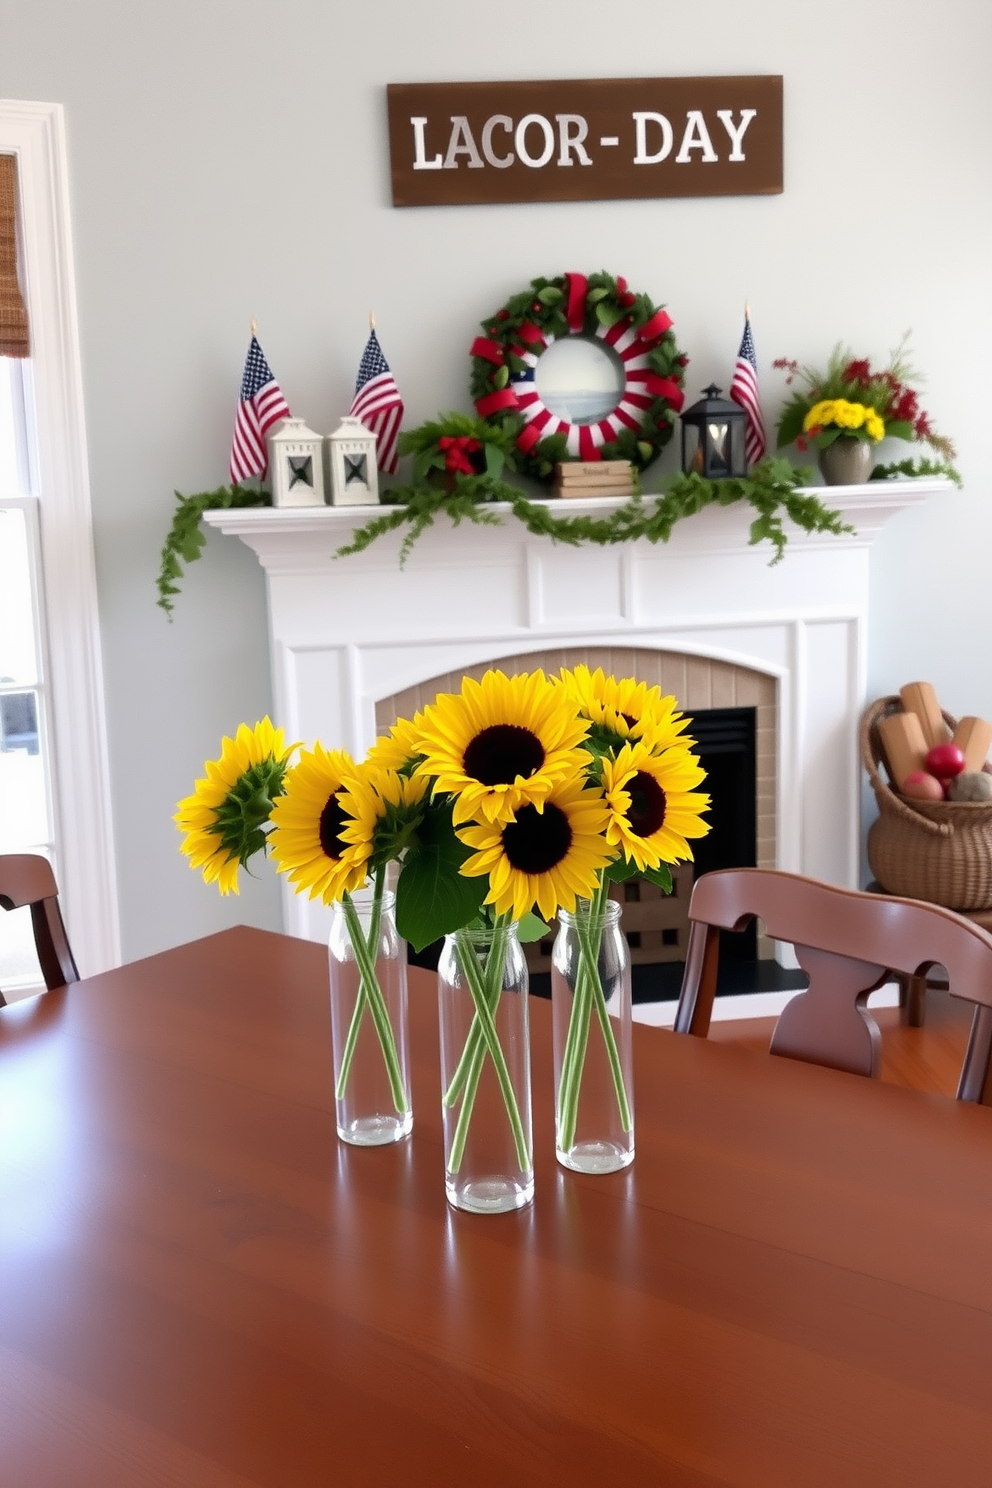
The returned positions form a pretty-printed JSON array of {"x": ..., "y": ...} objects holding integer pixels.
[{"x": 579, "y": 379}]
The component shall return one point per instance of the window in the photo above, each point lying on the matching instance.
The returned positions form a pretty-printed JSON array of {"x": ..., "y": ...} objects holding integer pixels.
[
  {"x": 25, "y": 782},
  {"x": 51, "y": 684}
]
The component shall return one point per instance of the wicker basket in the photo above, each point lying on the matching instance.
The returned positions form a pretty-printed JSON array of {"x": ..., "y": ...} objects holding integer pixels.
[{"x": 940, "y": 851}]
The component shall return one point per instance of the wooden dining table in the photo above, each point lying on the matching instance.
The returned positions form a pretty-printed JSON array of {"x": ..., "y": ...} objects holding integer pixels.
[{"x": 200, "y": 1285}]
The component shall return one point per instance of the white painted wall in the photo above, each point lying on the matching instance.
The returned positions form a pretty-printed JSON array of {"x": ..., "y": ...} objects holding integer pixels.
[{"x": 228, "y": 160}]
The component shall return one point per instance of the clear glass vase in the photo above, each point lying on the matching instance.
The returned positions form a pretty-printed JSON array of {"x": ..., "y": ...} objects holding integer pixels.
[
  {"x": 591, "y": 1014},
  {"x": 485, "y": 1071},
  {"x": 369, "y": 1021}
]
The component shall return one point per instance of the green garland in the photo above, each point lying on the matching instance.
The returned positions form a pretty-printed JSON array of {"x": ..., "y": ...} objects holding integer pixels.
[
  {"x": 916, "y": 468},
  {"x": 185, "y": 539},
  {"x": 774, "y": 489},
  {"x": 542, "y": 308}
]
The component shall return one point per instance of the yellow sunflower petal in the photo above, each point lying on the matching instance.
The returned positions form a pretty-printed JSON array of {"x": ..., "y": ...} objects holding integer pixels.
[
  {"x": 500, "y": 743},
  {"x": 307, "y": 825},
  {"x": 198, "y": 815},
  {"x": 543, "y": 858},
  {"x": 652, "y": 813}
]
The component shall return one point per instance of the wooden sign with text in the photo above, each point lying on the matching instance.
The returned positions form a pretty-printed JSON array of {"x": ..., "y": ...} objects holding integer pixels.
[{"x": 454, "y": 144}]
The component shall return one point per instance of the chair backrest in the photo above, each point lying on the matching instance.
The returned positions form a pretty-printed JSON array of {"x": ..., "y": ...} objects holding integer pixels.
[
  {"x": 26, "y": 879},
  {"x": 848, "y": 943}
]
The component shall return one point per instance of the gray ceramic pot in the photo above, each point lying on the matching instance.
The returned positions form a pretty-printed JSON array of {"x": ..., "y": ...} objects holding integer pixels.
[{"x": 846, "y": 462}]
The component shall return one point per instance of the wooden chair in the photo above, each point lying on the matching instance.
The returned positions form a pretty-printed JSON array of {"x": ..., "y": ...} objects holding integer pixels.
[
  {"x": 26, "y": 879},
  {"x": 848, "y": 944}
]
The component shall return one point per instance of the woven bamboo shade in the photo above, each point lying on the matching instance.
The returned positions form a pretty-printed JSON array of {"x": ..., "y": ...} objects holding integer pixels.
[{"x": 13, "y": 315}]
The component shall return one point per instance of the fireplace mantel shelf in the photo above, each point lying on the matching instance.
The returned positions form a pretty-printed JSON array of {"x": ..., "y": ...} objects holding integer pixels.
[
  {"x": 347, "y": 634},
  {"x": 866, "y": 508}
]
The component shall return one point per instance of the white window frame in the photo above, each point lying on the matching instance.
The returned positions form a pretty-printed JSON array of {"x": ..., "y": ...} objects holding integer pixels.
[{"x": 35, "y": 133}]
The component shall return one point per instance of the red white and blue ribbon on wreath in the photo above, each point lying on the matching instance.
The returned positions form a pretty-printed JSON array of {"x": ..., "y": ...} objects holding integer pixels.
[{"x": 643, "y": 386}]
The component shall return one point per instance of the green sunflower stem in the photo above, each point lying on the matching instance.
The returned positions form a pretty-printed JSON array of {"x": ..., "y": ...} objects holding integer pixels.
[
  {"x": 587, "y": 998},
  {"x": 361, "y": 1002},
  {"x": 577, "y": 1040},
  {"x": 370, "y": 996},
  {"x": 475, "y": 1042},
  {"x": 486, "y": 989}
]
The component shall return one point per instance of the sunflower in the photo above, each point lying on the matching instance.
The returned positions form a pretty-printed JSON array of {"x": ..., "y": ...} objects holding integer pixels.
[
  {"x": 383, "y": 809},
  {"x": 398, "y": 750},
  {"x": 308, "y": 826},
  {"x": 623, "y": 708},
  {"x": 501, "y": 743},
  {"x": 224, "y": 817},
  {"x": 547, "y": 855},
  {"x": 653, "y": 804}
]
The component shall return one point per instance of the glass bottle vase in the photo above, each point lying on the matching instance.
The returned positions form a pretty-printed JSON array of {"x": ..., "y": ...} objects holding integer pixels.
[
  {"x": 369, "y": 1031},
  {"x": 593, "y": 1052},
  {"x": 485, "y": 1071}
]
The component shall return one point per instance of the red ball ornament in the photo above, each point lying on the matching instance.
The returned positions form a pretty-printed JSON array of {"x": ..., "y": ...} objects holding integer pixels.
[{"x": 945, "y": 761}]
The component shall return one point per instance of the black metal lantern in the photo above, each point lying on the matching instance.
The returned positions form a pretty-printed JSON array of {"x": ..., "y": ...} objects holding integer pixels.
[{"x": 713, "y": 442}]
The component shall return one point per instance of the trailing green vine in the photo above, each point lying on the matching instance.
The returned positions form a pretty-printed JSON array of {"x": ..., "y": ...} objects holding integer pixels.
[
  {"x": 417, "y": 506},
  {"x": 185, "y": 539},
  {"x": 774, "y": 489},
  {"x": 914, "y": 468}
]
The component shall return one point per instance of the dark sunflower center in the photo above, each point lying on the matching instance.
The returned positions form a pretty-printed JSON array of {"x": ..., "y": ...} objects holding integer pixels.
[
  {"x": 629, "y": 720},
  {"x": 647, "y": 804},
  {"x": 332, "y": 819},
  {"x": 497, "y": 755},
  {"x": 538, "y": 840}
]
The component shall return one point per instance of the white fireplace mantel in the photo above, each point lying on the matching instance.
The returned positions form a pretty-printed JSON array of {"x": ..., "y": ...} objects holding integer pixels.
[{"x": 345, "y": 632}]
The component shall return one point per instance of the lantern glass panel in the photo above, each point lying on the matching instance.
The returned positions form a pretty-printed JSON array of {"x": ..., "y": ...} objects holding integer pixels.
[
  {"x": 738, "y": 453},
  {"x": 692, "y": 454},
  {"x": 300, "y": 471},
  {"x": 717, "y": 449},
  {"x": 356, "y": 469}
]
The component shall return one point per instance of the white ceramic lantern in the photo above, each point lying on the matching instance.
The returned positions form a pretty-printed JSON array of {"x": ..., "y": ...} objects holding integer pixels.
[
  {"x": 352, "y": 458},
  {"x": 296, "y": 466}
]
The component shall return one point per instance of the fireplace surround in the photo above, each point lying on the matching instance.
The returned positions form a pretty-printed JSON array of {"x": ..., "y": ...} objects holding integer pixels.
[{"x": 356, "y": 641}]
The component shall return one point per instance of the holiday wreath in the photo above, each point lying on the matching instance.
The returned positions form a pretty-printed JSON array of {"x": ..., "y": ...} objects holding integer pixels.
[{"x": 638, "y": 332}]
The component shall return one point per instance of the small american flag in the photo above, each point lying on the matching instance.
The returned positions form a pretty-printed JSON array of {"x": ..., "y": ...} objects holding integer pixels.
[
  {"x": 744, "y": 390},
  {"x": 378, "y": 404},
  {"x": 260, "y": 405}
]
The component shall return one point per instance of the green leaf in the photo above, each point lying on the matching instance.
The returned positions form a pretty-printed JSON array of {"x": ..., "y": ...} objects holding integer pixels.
[
  {"x": 501, "y": 377},
  {"x": 899, "y": 429},
  {"x": 644, "y": 449},
  {"x": 495, "y": 460},
  {"x": 424, "y": 461},
  {"x": 791, "y": 424},
  {"x": 549, "y": 295},
  {"x": 432, "y": 897},
  {"x": 661, "y": 876},
  {"x": 595, "y": 295},
  {"x": 608, "y": 315},
  {"x": 620, "y": 870},
  {"x": 532, "y": 928},
  {"x": 185, "y": 541}
]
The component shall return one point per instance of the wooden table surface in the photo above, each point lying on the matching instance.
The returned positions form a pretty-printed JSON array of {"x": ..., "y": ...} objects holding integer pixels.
[{"x": 200, "y": 1286}]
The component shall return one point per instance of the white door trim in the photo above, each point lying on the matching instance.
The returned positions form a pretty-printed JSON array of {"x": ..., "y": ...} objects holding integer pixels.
[{"x": 35, "y": 133}]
